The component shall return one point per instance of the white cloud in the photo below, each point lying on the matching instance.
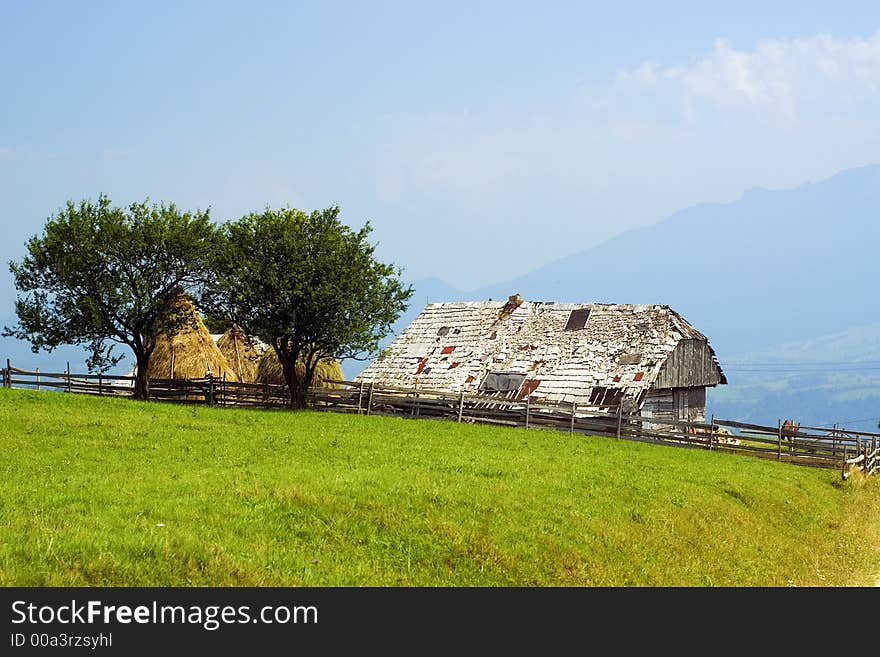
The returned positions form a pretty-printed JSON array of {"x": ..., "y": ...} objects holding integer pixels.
[{"x": 777, "y": 76}]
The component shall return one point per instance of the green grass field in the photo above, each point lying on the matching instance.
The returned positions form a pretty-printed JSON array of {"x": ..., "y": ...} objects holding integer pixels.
[{"x": 112, "y": 492}]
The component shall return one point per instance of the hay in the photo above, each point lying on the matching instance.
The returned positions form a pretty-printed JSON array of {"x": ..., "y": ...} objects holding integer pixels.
[
  {"x": 269, "y": 370},
  {"x": 190, "y": 353},
  {"x": 241, "y": 352}
]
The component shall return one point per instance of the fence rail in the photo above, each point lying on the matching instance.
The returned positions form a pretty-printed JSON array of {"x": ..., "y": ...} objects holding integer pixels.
[{"x": 836, "y": 448}]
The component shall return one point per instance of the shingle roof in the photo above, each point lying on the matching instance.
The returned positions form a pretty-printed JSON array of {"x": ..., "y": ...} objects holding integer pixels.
[{"x": 453, "y": 346}]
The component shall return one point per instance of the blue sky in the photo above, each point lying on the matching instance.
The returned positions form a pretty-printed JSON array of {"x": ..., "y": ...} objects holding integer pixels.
[{"x": 481, "y": 139}]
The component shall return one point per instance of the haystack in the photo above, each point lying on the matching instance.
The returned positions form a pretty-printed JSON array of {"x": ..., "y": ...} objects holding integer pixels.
[
  {"x": 241, "y": 353},
  {"x": 269, "y": 371},
  {"x": 190, "y": 353}
]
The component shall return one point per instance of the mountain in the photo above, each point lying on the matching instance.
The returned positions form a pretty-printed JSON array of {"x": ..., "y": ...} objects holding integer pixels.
[{"x": 771, "y": 267}]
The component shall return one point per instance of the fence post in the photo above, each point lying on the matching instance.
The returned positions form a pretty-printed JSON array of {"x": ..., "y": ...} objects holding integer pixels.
[
  {"x": 414, "y": 409},
  {"x": 7, "y": 379},
  {"x": 210, "y": 398},
  {"x": 573, "y": 410},
  {"x": 528, "y": 409},
  {"x": 370, "y": 399},
  {"x": 843, "y": 470},
  {"x": 68, "y": 376},
  {"x": 38, "y": 378},
  {"x": 619, "y": 418},
  {"x": 460, "y": 405},
  {"x": 778, "y": 440},
  {"x": 711, "y": 431},
  {"x": 360, "y": 396},
  {"x": 100, "y": 388}
]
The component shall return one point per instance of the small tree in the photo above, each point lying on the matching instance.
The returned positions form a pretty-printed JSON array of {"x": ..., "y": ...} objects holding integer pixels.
[
  {"x": 307, "y": 285},
  {"x": 100, "y": 275}
]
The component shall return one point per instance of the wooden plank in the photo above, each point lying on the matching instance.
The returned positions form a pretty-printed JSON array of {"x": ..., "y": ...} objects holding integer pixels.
[
  {"x": 745, "y": 425},
  {"x": 840, "y": 430}
]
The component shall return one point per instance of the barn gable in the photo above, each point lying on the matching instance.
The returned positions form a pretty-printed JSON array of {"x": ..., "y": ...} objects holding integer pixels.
[
  {"x": 591, "y": 354},
  {"x": 692, "y": 363}
]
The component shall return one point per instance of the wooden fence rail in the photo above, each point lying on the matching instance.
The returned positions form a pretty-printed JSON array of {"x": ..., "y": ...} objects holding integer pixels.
[{"x": 814, "y": 446}]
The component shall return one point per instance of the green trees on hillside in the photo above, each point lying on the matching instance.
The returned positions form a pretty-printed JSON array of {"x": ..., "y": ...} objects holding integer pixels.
[
  {"x": 306, "y": 284},
  {"x": 101, "y": 276}
]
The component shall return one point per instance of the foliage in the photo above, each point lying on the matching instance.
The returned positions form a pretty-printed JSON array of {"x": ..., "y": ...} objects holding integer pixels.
[
  {"x": 101, "y": 275},
  {"x": 106, "y": 492},
  {"x": 307, "y": 285}
]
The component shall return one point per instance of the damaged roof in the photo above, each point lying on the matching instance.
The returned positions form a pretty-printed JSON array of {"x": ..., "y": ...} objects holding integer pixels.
[{"x": 591, "y": 354}]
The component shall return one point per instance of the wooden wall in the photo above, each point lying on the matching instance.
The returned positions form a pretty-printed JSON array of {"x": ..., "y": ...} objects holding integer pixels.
[
  {"x": 690, "y": 365},
  {"x": 658, "y": 404},
  {"x": 687, "y": 404}
]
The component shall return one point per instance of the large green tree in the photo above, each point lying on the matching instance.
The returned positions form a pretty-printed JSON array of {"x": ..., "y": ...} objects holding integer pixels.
[
  {"x": 308, "y": 285},
  {"x": 102, "y": 276}
]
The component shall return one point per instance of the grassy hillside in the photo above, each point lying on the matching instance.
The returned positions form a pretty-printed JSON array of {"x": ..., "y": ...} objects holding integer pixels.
[{"x": 113, "y": 492}]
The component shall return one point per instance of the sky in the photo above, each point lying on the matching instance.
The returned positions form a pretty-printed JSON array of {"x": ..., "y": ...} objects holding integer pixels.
[{"x": 480, "y": 139}]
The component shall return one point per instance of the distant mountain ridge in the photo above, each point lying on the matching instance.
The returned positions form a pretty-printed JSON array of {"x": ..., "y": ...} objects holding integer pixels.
[{"x": 771, "y": 267}]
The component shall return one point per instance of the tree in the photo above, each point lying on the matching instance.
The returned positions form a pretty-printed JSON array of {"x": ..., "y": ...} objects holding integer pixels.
[
  {"x": 100, "y": 275},
  {"x": 307, "y": 285}
]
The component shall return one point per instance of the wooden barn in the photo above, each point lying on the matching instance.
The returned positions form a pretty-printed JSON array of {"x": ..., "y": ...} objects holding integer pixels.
[{"x": 646, "y": 359}]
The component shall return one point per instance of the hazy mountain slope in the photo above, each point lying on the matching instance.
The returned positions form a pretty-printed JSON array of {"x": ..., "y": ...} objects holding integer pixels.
[
  {"x": 825, "y": 380},
  {"x": 772, "y": 267}
]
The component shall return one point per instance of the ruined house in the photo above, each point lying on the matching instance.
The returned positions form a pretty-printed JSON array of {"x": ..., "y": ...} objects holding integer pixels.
[{"x": 646, "y": 359}]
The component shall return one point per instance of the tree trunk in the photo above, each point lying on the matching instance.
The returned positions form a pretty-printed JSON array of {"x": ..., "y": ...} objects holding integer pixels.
[
  {"x": 295, "y": 386},
  {"x": 142, "y": 382},
  {"x": 297, "y": 396}
]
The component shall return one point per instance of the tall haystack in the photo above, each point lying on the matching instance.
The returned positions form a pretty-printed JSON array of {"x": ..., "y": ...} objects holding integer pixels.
[
  {"x": 269, "y": 370},
  {"x": 241, "y": 353},
  {"x": 190, "y": 353}
]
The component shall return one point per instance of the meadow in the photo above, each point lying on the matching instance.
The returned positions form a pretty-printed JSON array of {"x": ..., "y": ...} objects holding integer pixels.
[{"x": 112, "y": 492}]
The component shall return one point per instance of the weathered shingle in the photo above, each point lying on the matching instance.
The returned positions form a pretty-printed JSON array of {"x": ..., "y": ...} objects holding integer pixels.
[{"x": 617, "y": 350}]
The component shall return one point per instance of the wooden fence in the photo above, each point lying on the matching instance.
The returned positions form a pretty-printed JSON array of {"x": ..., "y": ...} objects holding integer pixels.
[
  {"x": 208, "y": 390},
  {"x": 836, "y": 448}
]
